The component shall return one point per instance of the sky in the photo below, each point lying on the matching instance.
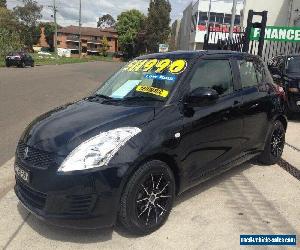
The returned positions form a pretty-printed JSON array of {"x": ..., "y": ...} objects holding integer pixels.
[{"x": 68, "y": 10}]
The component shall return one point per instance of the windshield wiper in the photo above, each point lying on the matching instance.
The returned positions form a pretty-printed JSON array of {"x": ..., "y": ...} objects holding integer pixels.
[
  {"x": 142, "y": 98},
  {"x": 101, "y": 96}
]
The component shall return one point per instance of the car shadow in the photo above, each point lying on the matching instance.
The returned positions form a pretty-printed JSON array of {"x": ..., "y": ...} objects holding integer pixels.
[
  {"x": 296, "y": 118},
  {"x": 65, "y": 234},
  {"x": 251, "y": 210}
]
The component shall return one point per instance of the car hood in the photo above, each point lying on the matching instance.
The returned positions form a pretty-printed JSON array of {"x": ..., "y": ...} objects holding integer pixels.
[{"x": 62, "y": 129}]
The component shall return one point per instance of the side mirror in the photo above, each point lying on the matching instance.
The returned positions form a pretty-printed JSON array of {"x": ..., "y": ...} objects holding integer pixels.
[{"x": 201, "y": 97}]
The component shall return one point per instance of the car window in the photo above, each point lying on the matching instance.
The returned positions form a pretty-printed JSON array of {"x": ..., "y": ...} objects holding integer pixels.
[
  {"x": 248, "y": 73},
  {"x": 215, "y": 74}
]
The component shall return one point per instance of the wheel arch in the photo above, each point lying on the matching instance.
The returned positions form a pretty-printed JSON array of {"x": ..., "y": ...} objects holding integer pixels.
[
  {"x": 283, "y": 120},
  {"x": 163, "y": 157}
]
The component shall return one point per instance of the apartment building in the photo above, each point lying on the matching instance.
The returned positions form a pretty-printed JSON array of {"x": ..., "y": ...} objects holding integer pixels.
[{"x": 68, "y": 38}]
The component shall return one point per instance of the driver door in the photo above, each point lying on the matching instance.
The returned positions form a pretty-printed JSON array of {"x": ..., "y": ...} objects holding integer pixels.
[{"x": 213, "y": 133}]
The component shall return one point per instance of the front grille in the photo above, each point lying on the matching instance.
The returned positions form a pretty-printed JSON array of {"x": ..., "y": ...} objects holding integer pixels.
[
  {"x": 34, "y": 157},
  {"x": 80, "y": 204},
  {"x": 33, "y": 198}
]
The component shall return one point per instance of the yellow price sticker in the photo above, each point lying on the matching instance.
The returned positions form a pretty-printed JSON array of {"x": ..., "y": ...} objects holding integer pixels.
[
  {"x": 178, "y": 66},
  {"x": 152, "y": 90},
  {"x": 159, "y": 66}
]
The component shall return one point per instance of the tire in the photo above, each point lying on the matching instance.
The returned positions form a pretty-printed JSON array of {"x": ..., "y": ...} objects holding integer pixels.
[
  {"x": 7, "y": 65},
  {"x": 142, "y": 211},
  {"x": 274, "y": 145},
  {"x": 32, "y": 65},
  {"x": 23, "y": 65}
]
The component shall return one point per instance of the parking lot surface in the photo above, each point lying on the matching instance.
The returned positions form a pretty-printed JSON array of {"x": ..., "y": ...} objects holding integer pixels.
[{"x": 249, "y": 199}]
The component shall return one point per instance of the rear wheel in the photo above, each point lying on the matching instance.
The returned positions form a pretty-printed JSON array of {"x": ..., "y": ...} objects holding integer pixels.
[
  {"x": 274, "y": 145},
  {"x": 23, "y": 65},
  {"x": 148, "y": 198},
  {"x": 7, "y": 65}
]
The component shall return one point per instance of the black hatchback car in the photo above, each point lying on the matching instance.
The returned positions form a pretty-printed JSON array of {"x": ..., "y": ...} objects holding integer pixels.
[
  {"x": 286, "y": 73},
  {"x": 19, "y": 59},
  {"x": 162, "y": 124}
]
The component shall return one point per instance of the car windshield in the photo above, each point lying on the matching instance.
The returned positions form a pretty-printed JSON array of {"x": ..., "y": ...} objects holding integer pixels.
[
  {"x": 293, "y": 64},
  {"x": 144, "y": 80}
]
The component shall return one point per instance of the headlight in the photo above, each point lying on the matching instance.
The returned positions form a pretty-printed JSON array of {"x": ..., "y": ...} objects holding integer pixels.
[{"x": 98, "y": 150}]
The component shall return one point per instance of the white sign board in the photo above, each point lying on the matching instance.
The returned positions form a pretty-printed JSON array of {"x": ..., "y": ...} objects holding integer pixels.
[
  {"x": 163, "y": 48},
  {"x": 64, "y": 52}
]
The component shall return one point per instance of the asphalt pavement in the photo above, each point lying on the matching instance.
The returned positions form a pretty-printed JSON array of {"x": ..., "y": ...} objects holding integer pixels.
[
  {"x": 27, "y": 93},
  {"x": 249, "y": 199}
]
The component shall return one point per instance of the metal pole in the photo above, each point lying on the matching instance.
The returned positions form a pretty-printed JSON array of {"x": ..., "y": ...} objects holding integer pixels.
[
  {"x": 208, "y": 17},
  {"x": 79, "y": 46},
  {"x": 232, "y": 19},
  {"x": 55, "y": 33}
]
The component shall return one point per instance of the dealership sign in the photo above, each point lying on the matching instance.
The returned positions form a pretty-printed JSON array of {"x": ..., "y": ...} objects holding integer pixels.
[{"x": 274, "y": 33}]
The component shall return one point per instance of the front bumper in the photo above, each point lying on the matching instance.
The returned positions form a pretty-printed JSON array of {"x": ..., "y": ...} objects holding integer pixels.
[
  {"x": 88, "y": 201},
  {"x": 12, "y": 62},
  {"x": 293, "y": 102}
]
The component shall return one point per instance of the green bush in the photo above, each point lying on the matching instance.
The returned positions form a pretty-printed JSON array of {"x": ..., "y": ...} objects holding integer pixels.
[{"x": 9, "y": 42}]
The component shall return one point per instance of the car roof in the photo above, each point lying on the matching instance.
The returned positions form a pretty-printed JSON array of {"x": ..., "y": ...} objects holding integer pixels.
[{"x": 196, "y": 53}]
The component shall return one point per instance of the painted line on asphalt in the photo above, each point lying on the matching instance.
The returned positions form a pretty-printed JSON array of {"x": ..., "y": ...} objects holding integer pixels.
[
  {"x": 7, "y": 177},
  {"x": 16, "y": 232},
  {"x": 293, "y": 147},
  {"x": 289, "y": 168}
]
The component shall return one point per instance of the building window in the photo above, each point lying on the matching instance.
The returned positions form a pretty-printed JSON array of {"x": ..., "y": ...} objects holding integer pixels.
[{"x": 202, "y": 17}]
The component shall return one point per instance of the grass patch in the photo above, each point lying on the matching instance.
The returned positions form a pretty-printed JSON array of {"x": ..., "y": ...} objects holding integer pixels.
[
  {"x": 2, "y": 61},
  {"x": 50, "y": 60}
]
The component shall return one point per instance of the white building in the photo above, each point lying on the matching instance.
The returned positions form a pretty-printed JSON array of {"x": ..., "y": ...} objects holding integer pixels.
[
  {"x": 280, "y": 12},
  {"x": 194, "y": 22}
]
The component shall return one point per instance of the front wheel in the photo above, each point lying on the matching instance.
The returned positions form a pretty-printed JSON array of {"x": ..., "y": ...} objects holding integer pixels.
[
  {"x": 274, "y": 146},
  {"x": 148, "y": 198}
]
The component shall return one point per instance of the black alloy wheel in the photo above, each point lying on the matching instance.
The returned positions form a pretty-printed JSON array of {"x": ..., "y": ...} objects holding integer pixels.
[
  {"x": 277, "y": 142},
  {"x": 274, "y": 145},
  {"x": 148, "y": 198}
]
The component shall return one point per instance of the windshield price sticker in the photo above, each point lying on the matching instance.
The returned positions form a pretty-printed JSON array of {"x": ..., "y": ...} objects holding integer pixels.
[
  {"x": 152, "y": 90},
  {"x": 161, "y": 77},
  {"x": 158, "y": 66}
]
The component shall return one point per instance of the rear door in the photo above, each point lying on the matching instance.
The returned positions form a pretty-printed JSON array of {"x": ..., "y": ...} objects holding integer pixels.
[
  {"x": 256, "y": 103},
  {"x": 212, "y": 133}
]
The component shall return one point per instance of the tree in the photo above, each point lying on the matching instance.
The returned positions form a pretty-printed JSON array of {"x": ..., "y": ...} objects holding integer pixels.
[
  {"x": 106, "y": 21},
  {"x": 104, "y": 46},
  {"x": 3, "y": 4},
  {"x": 14, "y": 43},
  {"x": 129, "y": 24},
  {"x": 29, "y": 14},
  {"x": 157, "y": 24},
  {"x": 49, "y": 32},
  {"x": 10, "y": 29},
  {"x": 8, "y": 20}
]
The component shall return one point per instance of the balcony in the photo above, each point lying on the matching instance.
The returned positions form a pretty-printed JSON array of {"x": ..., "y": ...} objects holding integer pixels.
[
  {"x": 94, "y": 42},
  {"x": 73, "y": 47},
  {"x": 72, "y": 39}
]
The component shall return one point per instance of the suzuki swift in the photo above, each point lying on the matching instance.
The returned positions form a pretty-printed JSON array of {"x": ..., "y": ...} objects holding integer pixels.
[{"x": 159, "y": 126}]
